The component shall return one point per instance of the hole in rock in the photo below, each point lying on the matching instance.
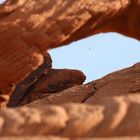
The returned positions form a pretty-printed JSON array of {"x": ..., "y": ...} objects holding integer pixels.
[{"x": 98, "y": 55}]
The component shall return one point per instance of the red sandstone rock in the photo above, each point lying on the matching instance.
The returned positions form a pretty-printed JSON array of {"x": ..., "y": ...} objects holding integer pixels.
[
  {"x": 110, "y": 117},
  {"x": 121, "y": 82},
  {"x": 55, "y": 80},
  {"x": 30, "y": 27},
  {"x": 76, "y": 94},
  {"x": 60, "y": 138},
  {"x": 24, "y": 85}
]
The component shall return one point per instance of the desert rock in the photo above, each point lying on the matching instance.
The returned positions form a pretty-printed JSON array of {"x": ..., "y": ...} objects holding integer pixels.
[
  {"x": 111, "y": 117},
  {"x": 121, "y": 82},
  {"x": 60, "y": 138},
  {"x": 32, "y": 27},
  {"x": 54, "y": 81},
  {"x": 23, "y": 86},
  {"x": 105, "y": 109},
  {"x": 76, "y": 94}
]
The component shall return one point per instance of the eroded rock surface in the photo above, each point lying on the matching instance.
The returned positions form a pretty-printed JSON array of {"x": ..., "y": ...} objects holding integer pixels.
[
  {"x": 23, "y": 87},
  {"x": 60, "y": 138},
  {"x": 123, "y": 82},
  {"x": 76, "y": 94},
  {"x": 28, "y": 28},
  {"x": 113, "y": 116},
  {"x": 54, "y": 81},
  {"x": 113, "y": 111},
  {"x": 109, "y": 115}
]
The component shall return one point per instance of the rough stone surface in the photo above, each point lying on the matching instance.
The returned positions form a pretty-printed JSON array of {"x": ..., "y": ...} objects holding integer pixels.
[
  {"x": 30, "y": 27},
  {"x": 54, "y": 81},
  {"x": 111, "y": 117},
  {"x": 123, "y": 82},
  {"x": 76, "y": 94},
  {"x": 23, "y": 87},
  {"x": 58, "y": 138}
]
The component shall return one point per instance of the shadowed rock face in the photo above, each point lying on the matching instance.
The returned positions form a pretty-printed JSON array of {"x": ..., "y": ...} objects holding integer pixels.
[
  {"x": 54, "y": 81},
  {"x": 28, "y": 82},
  {"x": 43, "y": 82},
  {"x": 54, "y": 87},
  {"x": 28, "y": 28}
]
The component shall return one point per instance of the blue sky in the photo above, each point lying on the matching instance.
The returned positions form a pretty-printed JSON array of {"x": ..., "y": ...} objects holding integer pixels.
[
  {"x": 2, "y": 1},
  {"x": 98, "y": 55}
]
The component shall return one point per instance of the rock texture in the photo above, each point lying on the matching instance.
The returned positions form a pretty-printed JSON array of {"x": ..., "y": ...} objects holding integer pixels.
[
  {"x": 45, "y": 81},
  {"x": 23, "y": 86},
  {"x": 111, "y": 105},
  {"x": 76, "y": 94},
  {"x": 57, "y": 138},
  {"x": 28, "y": 28},
  {"x": 122, "y": 82},
  {"x": 54, "y": 81},
  {"x": 113, "y": 116}
]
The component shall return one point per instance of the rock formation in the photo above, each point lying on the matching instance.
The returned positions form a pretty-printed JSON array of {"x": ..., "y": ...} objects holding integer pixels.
[
  {"x": 113, "y": 116},
  {"x": 43, "y": 82},
  {"x": 122, "y": 82},
  {"x": 28, "y": 28},
  {"x": 28, "y": 82},
  {"x": 52, "y": 82},
  {"x": 113, "y": 112},
  {"x": 54, "y": 104}
]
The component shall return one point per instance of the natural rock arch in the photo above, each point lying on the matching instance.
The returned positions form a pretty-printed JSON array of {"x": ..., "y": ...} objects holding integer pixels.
[{"x": 29, "y": 28}]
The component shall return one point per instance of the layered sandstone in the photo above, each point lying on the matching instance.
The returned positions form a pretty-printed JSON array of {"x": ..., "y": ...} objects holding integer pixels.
[
  {"x": 58, "y": 138},
  {"x": 28, "y": 28},
  {"x": 66, "y": 109},
  {"x": 113, "y": 116},
  {"x": 113, "y": 113},
  {"x": 56, "y": 80},
  {"x": 46, "y": 81},
  {"x": 122, "y": 82},
  {"x": 24, "y": 86}
]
